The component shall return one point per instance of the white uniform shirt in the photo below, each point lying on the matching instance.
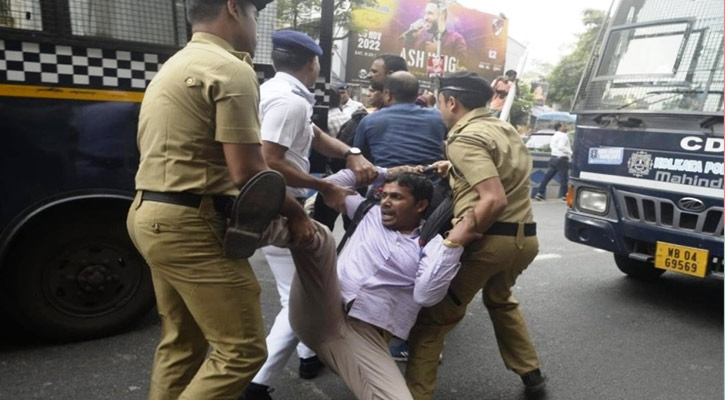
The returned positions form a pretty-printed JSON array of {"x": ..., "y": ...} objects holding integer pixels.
[
  {"x": 285, "y": 111},
  {"x": 560, "y": 146},
  {"x": 351, "y": 106}
]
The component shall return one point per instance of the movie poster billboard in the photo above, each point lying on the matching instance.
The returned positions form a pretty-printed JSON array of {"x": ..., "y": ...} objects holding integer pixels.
[
  {"x": 471, "y": 40},
  {"x": 540, "y": 91}
]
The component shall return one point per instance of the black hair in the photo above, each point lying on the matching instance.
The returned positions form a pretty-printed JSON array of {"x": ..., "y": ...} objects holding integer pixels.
[
  {"x": 557, "y": 126},
  {"x": 393, "y": 63},
  {"x": 334, "y": 98},
  {"x": 470, "y": 100},
  {"x": 205, "y": 10},
  {"x": 510, "y": 72},
  {"x": 420, "y": 186},
  {"x": 402, "y": 90},
  {"x": 284, "y": 60}
]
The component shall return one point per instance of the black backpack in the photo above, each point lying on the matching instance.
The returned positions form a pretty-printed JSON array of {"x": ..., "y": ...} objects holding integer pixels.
[
  {"x": 348, "y": 129},
  {"x": 437, "y": 218}
]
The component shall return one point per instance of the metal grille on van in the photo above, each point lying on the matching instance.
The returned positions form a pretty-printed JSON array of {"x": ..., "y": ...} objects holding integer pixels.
[{"x": 663, "y": 212}]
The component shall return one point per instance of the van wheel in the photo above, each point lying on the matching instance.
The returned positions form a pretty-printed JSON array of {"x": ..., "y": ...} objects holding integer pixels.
[
  {"x": 639, "y": 270},
  {"x": 83, "y": 280}
]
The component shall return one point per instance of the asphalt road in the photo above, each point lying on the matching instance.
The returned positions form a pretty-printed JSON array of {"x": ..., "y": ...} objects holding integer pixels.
[{"x": 599, "y": 334}]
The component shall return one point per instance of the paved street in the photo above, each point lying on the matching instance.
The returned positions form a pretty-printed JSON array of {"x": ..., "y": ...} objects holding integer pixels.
[{"x": 599, "y": 334}]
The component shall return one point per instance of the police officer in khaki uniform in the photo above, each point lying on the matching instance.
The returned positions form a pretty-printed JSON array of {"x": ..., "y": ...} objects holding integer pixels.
[
  {"x": 489, "y": 169},
  {"x": 199, "y": 142}
]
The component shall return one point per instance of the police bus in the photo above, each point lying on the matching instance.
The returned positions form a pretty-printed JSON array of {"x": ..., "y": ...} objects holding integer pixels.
[
  {"x": 72, "y": 76},
  {"x": 647, "y": 172}
]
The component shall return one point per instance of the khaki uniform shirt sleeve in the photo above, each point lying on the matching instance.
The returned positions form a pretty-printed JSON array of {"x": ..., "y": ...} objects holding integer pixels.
[
  {"x": 235, "y": 94},
  {"x": 472, "y": 159}
]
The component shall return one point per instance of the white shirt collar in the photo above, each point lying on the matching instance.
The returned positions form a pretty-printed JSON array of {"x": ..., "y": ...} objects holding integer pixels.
[{"x": 297, "y": 87}]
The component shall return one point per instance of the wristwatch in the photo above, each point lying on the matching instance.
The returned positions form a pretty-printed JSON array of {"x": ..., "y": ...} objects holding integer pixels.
[{"x": 352, "y": 151}]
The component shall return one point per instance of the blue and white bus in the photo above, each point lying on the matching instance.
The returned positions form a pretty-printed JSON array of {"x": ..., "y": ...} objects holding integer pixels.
[
  {"x": 72, "y": 77},
  {"x": 647, "y": 171}
]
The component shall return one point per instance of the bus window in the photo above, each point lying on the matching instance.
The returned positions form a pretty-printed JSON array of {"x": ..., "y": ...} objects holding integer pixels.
[
  {"x": 148, "y": 21},
  {"x": 21, "y": 14}
]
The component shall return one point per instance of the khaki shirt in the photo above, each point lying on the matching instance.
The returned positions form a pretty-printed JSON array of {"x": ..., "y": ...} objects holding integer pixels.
[
  {"x": 205, "y": 95},
  {"x": 482, "y": 147}
]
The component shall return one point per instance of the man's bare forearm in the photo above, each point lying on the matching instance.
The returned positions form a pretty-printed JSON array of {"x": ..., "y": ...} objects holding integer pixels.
[
  {"x": 295, "y": 177},
  {"x": 329, "y": 146},
  {"x": 291, "y": 208}
]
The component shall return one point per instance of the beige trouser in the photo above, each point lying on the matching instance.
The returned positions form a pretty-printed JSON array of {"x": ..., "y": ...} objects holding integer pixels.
[
  {"x": 492, "y": 265},
  {"x": 203, "y": 299},
  {"x": 355, "y": 350}
]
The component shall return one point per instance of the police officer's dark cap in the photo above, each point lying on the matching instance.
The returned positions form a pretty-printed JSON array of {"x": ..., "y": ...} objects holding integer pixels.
[
  {"x": 260, "y": 4},
  {"x": 465, "y": 81},
  {"x": 294, "y": 41},
  {"x": 341, "y": 86}
]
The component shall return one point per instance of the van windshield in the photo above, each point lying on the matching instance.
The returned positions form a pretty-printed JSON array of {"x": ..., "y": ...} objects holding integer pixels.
[{"x": 659, "y": 56}]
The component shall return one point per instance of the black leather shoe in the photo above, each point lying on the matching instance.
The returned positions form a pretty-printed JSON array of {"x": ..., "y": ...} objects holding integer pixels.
[
  {"x": 310, "y": 367},
  {"x": 259, "y": 201},
  {"x": 256, "y": 392},
  {"x": 534, "y": 381}
]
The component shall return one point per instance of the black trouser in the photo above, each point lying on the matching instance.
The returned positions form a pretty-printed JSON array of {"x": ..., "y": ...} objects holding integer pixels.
[{"x": 558, "y": 165}]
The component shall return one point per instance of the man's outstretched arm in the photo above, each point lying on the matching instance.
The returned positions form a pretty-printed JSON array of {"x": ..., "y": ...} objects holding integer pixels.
[
  {"x": 346, "y": 178},
  {"x": 438, "y": 266}
]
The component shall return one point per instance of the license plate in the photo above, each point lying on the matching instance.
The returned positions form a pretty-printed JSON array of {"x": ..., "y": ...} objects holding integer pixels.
[{"x": 682, "y": 259}]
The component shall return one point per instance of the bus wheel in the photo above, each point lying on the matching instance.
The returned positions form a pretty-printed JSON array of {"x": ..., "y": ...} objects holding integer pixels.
[
  {"x": 87, "y": 282},
  {"x": 639, "y": 270}
]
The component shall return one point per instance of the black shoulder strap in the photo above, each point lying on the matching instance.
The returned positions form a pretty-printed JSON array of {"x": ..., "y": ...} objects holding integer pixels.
[
  {"x": 438, "y": 221},
  {"x": 362, "y": 209}
]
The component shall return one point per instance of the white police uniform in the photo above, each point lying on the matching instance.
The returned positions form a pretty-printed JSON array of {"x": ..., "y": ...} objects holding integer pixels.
[{"x": 285, "y": 112}]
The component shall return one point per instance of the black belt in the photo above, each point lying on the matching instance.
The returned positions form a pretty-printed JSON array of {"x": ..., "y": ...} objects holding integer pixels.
[
  {"x": 511, "y": 229},
  {"x": 222, "y": 203}
]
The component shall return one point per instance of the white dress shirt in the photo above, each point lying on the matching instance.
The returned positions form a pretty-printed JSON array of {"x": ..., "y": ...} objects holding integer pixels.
[
  {"x": 285, "y": 111},
  {"x": 388, "y": 274},
  {"x": 560, "y": 146},
  {"x": 351, "y": 106}
]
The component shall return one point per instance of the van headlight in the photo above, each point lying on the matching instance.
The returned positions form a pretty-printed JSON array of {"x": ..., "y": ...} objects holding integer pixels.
[{"x": 593, "y": 201}]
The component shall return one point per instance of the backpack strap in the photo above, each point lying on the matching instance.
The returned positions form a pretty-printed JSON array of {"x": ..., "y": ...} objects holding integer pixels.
[
  {"x": 362, "y": 209},
  {"x": 438, "y": 221}
]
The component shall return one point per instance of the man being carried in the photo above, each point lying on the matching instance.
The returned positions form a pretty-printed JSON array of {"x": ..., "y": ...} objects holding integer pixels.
[
  {"x": 287, "y": 135},
  {"x": 348, "y": 309}
]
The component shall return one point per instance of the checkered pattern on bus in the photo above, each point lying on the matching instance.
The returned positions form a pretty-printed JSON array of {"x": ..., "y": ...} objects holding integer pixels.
[{"x": 42, "y": 63}]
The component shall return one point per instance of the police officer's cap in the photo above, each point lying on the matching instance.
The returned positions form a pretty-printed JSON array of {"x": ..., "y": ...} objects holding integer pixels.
[
  {"x": 294, "y": 41},
  {"x": 341, "y": 86},
  {"x": 465, "y": 81},
  {"x": 260, "y": 4}
]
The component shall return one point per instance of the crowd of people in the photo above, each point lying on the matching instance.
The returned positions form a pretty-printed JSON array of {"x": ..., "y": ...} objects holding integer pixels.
[{"x": 224, "y": 170}]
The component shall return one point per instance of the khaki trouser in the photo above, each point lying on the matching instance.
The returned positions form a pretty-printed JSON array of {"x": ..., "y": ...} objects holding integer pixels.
[
  {"x": 492, "y": 265},
  {"x": 355, "y": 350},
  {"x": 203, "y": 299}
]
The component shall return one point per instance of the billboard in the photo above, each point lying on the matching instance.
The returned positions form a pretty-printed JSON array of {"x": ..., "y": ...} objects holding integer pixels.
[
  {"x": 471, "y": 40},
  {"x": 540, "y": 91}
]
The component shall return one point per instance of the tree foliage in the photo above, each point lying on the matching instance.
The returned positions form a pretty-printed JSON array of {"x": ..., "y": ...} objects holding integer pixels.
[
  {"x": 304, "y": 15},
  {"x": 522, "y": 105},
  {"x": 564, "y": 78},
  {"x": 5, "y": 18}
]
